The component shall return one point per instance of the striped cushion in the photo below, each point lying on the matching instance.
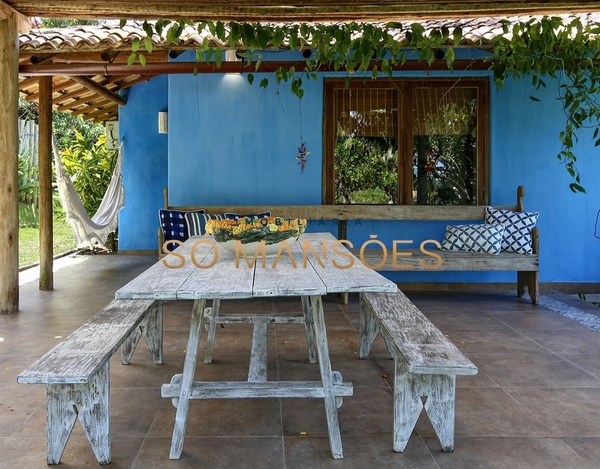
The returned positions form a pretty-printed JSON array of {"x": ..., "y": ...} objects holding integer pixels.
[
  {"x": 174, "y": 225},
  {"x": 196, "y": 222},
  {"x": 473, "y": 238},
  {"x": 517, "y": 228}
]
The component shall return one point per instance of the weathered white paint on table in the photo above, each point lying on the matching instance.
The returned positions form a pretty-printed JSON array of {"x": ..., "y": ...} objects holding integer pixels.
[
  {"x": 280, "y": 277},
  {"x": 77, "y": 372},
  {"x": 342, "y": 273},
  {"x": 426, "y": 364},
  {"x": 161, "y": 282}
]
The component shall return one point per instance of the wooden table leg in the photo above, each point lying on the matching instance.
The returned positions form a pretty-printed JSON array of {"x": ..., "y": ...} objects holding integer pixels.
[
  {"x": 335, "y": 440},
  {"x": 309, "y": 326},
  {"x": 189, "y": 369}
]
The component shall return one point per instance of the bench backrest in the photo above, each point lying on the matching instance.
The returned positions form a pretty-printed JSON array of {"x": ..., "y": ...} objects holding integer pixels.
[
  {"x": 82, "y": 353},
  {"x": 360, "y": 212},
  {"x": 423, "y": 347}
]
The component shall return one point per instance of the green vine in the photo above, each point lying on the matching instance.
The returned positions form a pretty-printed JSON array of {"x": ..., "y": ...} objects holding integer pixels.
[{"x": 538, "y": 49}]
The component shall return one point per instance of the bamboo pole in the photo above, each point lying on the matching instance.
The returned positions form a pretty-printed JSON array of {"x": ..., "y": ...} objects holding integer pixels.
[
  {"x": 9, "y": 159},
  {"x": 46, "y": 281}
]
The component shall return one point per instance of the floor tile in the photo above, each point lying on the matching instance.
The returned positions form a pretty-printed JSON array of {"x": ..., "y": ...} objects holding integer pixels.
[
  {"x": 508, "y": 453},
  {"x": 213, "y": 452},
  {"x": 568, "y": 412},
  {"x": 531, "y": 369},
  {"x": 303, "y": 452},
  {"x": 587, "y": 448}
]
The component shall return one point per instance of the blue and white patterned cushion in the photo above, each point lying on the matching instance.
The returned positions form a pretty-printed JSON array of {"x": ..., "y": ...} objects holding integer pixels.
[
  {"x": 174, "y": 226},
  {"x": 474, "y": 238},
  {"x": 237, "y": 216},
  {"x": 196, "y": 222},
  {"x": 517, "y": 228}
]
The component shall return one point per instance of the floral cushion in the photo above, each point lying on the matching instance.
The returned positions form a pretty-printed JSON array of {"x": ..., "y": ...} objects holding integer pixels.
[
  {"x": 237, "y": 216},
  {"x": 475, "y": 238},
  {"x": 196, "y": 222},
  {"x": 174, "y": 225},
  {"x": 517, "y": 228}
]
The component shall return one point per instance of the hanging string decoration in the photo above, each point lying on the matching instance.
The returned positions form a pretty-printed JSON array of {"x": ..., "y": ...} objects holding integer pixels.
[{"x": 302, "y": 151}]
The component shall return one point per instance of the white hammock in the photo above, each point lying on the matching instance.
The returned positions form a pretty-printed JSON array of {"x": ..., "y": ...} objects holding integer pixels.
[{"x": 90, "y": 232}]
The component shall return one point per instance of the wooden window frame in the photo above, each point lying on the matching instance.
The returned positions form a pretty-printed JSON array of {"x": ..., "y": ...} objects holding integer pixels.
[{"x": 405, "y": 143}]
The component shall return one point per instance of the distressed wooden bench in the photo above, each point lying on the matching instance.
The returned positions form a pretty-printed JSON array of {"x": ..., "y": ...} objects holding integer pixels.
[
  {"x": 426, "y": 364},
  {"x": 410, "y": 259},
  {"x": 76, "y": 372}
]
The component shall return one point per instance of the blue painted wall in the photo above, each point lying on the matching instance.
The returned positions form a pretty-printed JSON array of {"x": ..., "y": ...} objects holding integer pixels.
[
  {"x": 235, "y": 143},
  {"x": 144, "y": 164}
]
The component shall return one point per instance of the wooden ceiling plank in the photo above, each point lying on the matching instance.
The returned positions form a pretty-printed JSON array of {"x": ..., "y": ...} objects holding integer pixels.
[
  {"x": 78, "y": 95},
  {"x": 84, "y": 100},
  {"x": 99, "y": 89},
  {"x": 102, "y": 112},
  {"x": 57, "y": 88}
]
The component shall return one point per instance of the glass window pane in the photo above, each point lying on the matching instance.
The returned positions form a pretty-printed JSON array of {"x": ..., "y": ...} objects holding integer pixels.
[
  {"x": 366, "y": 146},
  {"x": 444, "y": 124}
]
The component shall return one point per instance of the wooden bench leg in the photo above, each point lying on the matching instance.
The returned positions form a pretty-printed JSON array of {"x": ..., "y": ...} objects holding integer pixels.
[
  {"x": 529, "y": 281},
  {"x": 94, "y": 415},
  {"x": 407, "y": 406},
  {"x": 534, "y": 287},
  {"x": 368, "y": 329},
  {"x": 440, "y": 407},
  {"x": 153, "y": 332},
  {"x": 211, "y": 315},
  {"x": 344, "y": 298},
  {"x": 521, "y": 283},
  {"x": 310, "y": 332},
  {"x": 151, "y": 328},
  {"x": 439, "y": 390}
]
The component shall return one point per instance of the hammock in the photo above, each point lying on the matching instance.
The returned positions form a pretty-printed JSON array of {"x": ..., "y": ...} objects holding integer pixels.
[{"x": 89, "y": 232}]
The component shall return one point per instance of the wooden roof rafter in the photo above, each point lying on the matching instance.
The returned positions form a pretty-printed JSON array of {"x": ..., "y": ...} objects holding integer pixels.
[{"x": 297, "y": 10}]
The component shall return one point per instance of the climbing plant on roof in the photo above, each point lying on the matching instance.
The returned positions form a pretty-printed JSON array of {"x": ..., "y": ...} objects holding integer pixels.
[{"x": 565, "y": 51}]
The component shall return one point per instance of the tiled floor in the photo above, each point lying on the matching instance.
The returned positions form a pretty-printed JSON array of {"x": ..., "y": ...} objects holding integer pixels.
[{"x": 534, "y": 404}]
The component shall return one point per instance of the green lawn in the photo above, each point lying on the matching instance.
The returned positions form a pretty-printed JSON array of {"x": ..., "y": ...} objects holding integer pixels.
[{"x": 29, "y": 241}]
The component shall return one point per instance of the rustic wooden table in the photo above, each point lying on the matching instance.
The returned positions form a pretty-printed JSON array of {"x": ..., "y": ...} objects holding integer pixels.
[{"x": 202, "y": 270}]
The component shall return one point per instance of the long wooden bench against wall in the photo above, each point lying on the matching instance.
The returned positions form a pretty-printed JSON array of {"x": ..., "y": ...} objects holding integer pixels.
[{"x": 526, "y": 266}]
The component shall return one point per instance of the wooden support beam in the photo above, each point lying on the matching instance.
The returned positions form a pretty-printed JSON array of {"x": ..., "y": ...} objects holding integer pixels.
[
  {"x": 23, "y": 23},
  {"x": 9, "y": 162},
  {"x": 46, "y": 280},
  {"x": 99, "y": 89},
  {"x": 174, "y": 68}
]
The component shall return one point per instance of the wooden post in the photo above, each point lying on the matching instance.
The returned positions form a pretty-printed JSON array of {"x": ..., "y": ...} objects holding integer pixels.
[
  {"x": 46, "y": 281},
  {"x": 9, "y": 157}
]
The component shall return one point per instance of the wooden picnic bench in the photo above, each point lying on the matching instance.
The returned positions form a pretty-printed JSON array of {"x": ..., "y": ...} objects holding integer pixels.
[
  {"x": 426, "y": 364},
  {"x": 408, "y": 259},
  {"x": 76, "y": 372}
]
